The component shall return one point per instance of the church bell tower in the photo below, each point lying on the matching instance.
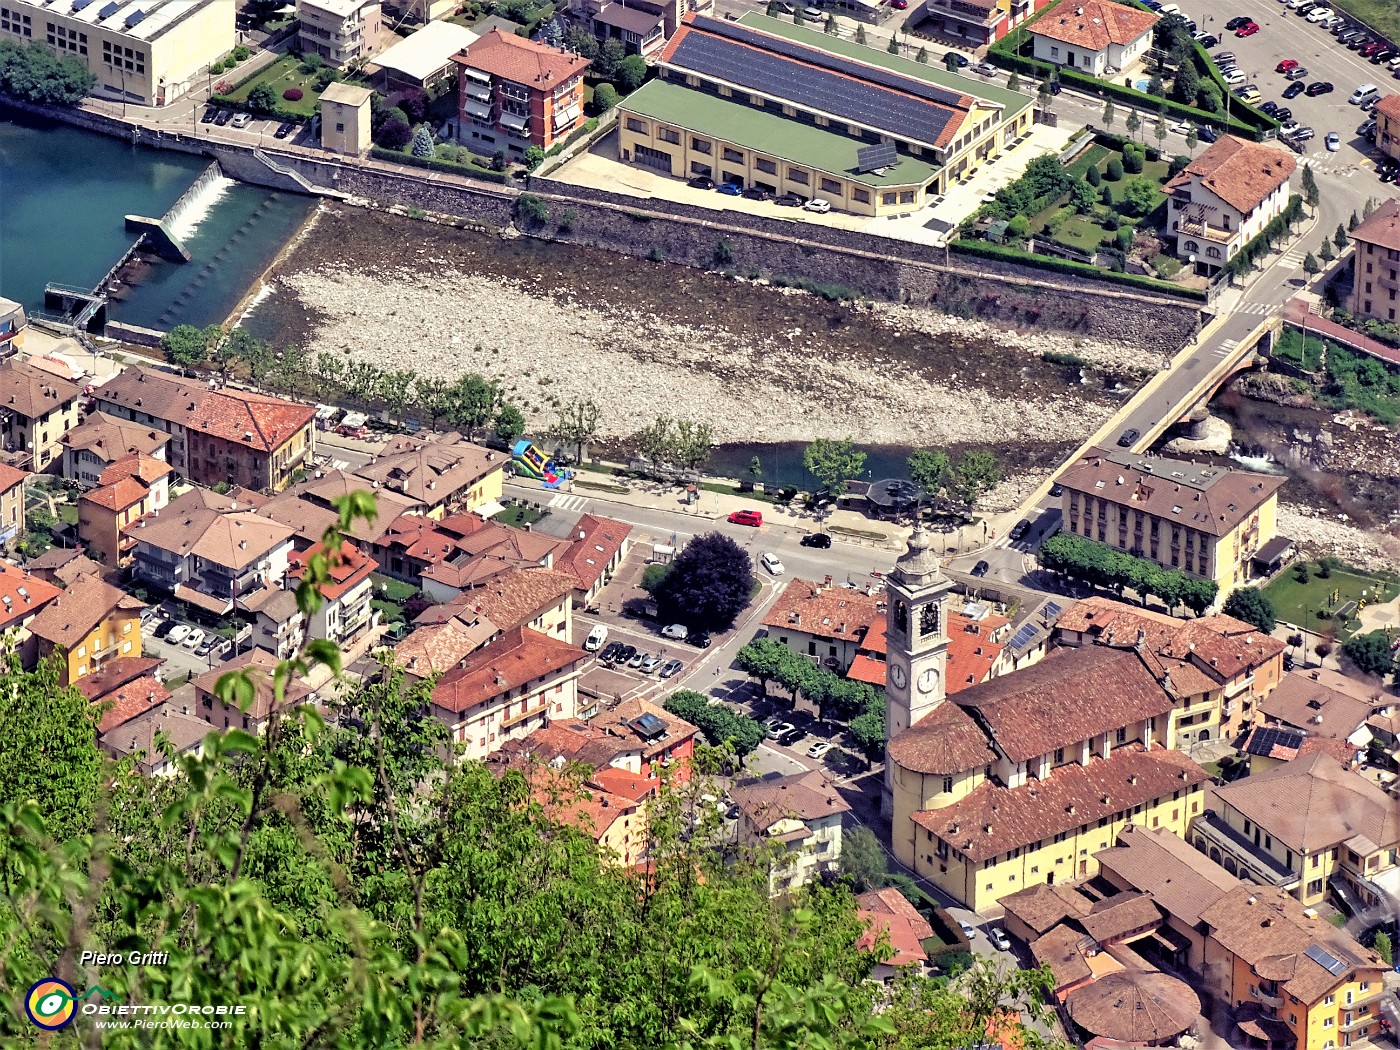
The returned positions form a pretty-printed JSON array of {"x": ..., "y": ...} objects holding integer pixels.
[{"x": 916, "y": 636}]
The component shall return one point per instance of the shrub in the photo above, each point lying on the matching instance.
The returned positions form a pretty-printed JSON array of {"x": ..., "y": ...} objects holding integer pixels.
[
  {"x": 215, "y": 68},
  {"x": 531, "y": 210},
  {"x": 293, "y": 94},
  {"x": 394, "y": 133},
  {"x": 1019, "y": 227},
  {"x": 325, "y": 77},
  {"x": 262, "y": 99},
  {"x": 1092, "y": 177},
  {"x": 241, "y": 53},
  {"x": 312, "y": 62},
  {"x": 604, "y": 97},
  {"x": 1114, "y": 171},
  {"x": 1132, "y": 162},
  {"x": 414, "y": 105},
  {"x": 1124, "y": 238}
]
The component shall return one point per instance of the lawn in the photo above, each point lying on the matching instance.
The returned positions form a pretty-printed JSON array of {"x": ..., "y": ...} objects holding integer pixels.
[
  {"x": 1086, "y": 232},
  {"x": 286, "y": 72},
  {"x": 1380, "y": 15},
  {"x": 1310, "y": 605},
  {"x": 1289, "y": 347},
  {"x": 517, "y": 515}
]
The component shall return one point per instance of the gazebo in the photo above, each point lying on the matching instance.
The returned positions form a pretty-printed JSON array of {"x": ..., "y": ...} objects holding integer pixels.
[{"x": 1143, "y": 1007}]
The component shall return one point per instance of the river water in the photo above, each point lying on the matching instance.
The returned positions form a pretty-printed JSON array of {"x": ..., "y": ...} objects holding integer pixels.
[{"x": 64, "y": 193}]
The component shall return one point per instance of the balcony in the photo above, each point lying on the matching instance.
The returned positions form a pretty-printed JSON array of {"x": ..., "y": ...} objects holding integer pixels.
[
  {"x": 1359, "y": 1019},
  {"x": 474, "y": 90},
  {"x": 981, "y": 15},
  {"x": 1267, "y": 997},
  {"x": 1194, "y": 227},
  {"x": 1224, "y": 842}
]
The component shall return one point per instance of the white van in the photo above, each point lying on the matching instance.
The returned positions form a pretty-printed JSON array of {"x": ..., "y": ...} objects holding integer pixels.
[
  {"x": 1365, "y": 94},
  {"x": 596, "y": 638}
]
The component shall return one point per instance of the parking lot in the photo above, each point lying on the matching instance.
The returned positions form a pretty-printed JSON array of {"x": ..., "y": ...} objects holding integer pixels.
[
  {"x": 180, "y": 659},
  {"x": 222, "y": 117}
]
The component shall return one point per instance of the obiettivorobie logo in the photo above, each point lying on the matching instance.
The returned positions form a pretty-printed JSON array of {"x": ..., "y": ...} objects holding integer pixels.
[{"x": 52, "y": 1004}]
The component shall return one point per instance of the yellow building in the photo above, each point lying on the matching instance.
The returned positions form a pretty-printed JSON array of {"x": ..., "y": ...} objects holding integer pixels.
[
  {"x": 36, "y": 410},
  {"x": 89, "y": 623},
  {"x": 1205, "y": 520},
  {"x": 126, "y": 492},
  {"x": 768, "y": 105},
  {"x": 147, "y": 53},
  {"x": 1292, "y": 978},
  {"x": 440, "y": 475},
  {"x": 345, "y": 118},
  {"x": 11, "y": 504}
]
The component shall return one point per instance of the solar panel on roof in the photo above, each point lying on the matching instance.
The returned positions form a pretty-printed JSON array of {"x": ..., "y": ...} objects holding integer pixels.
[
  {"x": 1052, "y": 609},
  {"x": 1264, "y": 739},
  {"x": 1327, "y": 961},
  {"x": 135, "y": 18},
  {"x": 880, "y": 155},
  {"x": 79, "y": 5},
  {"x": 112, "y": 8},
  {"x": 1023, "y": 636}
]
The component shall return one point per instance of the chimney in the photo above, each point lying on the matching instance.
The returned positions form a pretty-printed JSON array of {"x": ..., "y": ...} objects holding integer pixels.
[
  {"x": 986, "y": 829},
  {"x": 1252, "y": 899},
  {"x": 1132, "y": 779}
]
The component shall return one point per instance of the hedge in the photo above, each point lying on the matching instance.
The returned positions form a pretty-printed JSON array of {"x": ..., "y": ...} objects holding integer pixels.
[
  {"x": 229, "y": 102},
  {"x": 471, "y": 171},
  {"x": 1002, "y": 253}
]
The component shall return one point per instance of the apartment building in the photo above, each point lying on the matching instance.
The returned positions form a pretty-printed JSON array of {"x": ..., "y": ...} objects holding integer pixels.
[
  {"x": 22, "y": 597},
  {"x": 618, "y": 824},
  {"x": 1387, "y": 117},
  {"x": 975, "y": 23},
  {"x": 1206, "y": 520},
  {"x": 87, "y": 624},
  {"x": 218, "y": 436},
  {"x": 11, "y": 505},
  {"x": 340, "y": 31},
  {"x": 36, "y": 410},
  {"x": 147, "y": 52},
  {"x": 438, "y": 475},
  {"x": 126, "y": 492},
  {"x": 101, "y": 440},
  {"x": 624, "y": 744},
  {"x": 1376, "y": 279},
  {"x": 596, "y": 552},
  {"x": 803, "y": 814},
  {"x": 1225, "y": 197},
  {"x": 345, "y": 615},
  {"x": 514, "y": 93},
  {"x": 261, "y": 667}
]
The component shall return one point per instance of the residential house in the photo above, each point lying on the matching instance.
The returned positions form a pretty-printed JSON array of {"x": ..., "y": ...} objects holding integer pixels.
[
  {"x": 88, "y": 623},
  {"x": 1387, "y": 116},
  {"x": 437, "y": 647},
  {"x": 127, "y": 687},
  {"x": 541, "y": 599},
  {"x": 1225, "y": 197},
  {"x": 596, "y": 553},
  {"x": 633, "y": 736},
  {"x": 1304, "y": 827},
  {"x": 36, "y": 410},
  {"x": 1377, "y": 266},
  {"x": 508, "y": 688},
  {"x": 218, "y": 436},
  {"x": 514, "y": 93},
  {"x": 826, "y": 623},
  {"x": 345, "y": 615},
  {"x": 804, "y": 814},
  {"x": 440, "y": 475},
  {"x": 22, "y": 597},
  {"x": 279, "y": 626},
  {"x": 1204, "y": 519},
  {"x": 308, "y": 506},
  {"x": 789, "y": 109},
  {"x": 1098, "y": 38},
  {"x": 616, "y": 822},
  {"x": 209, "y": 551},
  {"x": 13, "y": 323},
  {"x": 422, "y": 61},
  {"x": 261, "y": 665},
  {"x": 481, "y": 549},
  {"x": 1269, "y": 746},
  {"x": 975, "y": 23},
  {"x": 340, "y": 31},
  {"x": 976, "y": 641},
  {"x": 142, "y": 736},
  {"x": 11, "y": 505},
  {"x": 61, "y": 566},
  {"x": 890, "y": 919},
  {"x": 1289, "y": 975},
  {"x": 1317, "y": 709},
  {"x": 100, "y": 440},
  {"x": 126, "y": 492},
  {"x": 1219, "y": 668}
]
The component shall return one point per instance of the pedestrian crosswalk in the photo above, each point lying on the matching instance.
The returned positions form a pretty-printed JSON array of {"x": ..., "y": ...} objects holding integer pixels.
[
  {"x": 1258, "y": 309},
  {"x": 563, "y": 501},
  {"x": 340, "y": 464},
  {"x": 1226, "y": 348},
  {"x": 1325, "y": 163}
]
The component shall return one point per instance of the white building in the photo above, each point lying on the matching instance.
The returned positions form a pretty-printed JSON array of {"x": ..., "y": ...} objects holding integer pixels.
[
  {"x": 1095, "y": 37},
  {"x": 1225, "y": 197},
  {"x": 340, "y": 31},
  {"x": 804, "y": 813}
]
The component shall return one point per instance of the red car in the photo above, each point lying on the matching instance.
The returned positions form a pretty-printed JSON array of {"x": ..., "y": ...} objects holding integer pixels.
[
  {"x": 1285, "y": 66},
  {"x": 746, "y": 517},
  {"x": 1248, "y": 29}
]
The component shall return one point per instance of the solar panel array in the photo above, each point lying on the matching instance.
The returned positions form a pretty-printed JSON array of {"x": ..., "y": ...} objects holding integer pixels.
[
  {"x": 870, "y": 158},
  {"x": 1023, "y": 636},
  {"x": 1263, "y": 740},
  {"x": 1326, "y": 960},
  {"x": 779, "y": 76}
]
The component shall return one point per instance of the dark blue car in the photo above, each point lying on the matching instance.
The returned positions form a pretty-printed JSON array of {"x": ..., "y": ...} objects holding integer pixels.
[{"x": 730, "y": 189}]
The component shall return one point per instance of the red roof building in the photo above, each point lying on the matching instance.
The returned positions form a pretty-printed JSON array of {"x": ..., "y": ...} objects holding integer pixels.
[
  {"x": 11, "y": 503},
  {"x": 345, "y": 614},
  {"x": 515, "y": 92}
]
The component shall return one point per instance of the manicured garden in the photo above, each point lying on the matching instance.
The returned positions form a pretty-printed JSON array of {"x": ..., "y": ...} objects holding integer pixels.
[
  {"x": 293, "y": 86},
  {"x": 1312, "y": 594}
]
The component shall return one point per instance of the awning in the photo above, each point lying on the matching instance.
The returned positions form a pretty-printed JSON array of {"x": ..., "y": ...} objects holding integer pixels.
[
  {"x": 489, "y": 510},
  {"x": 478, "y": 110},
  {"x": 510, "y": 120},
  {"x": 208, "y": 602}
]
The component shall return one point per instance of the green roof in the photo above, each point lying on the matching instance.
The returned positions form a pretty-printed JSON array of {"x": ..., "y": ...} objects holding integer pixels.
[
  {"x": 768, "y": 132},
  {"x": 1014, "y": 101}
]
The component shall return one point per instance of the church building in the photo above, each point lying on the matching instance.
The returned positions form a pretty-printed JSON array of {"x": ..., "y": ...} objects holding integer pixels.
[{"x": 1020, "y": 780}]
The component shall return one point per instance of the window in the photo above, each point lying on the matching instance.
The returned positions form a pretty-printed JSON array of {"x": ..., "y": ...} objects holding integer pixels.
[
  {"x": 701, "y": 146},
  {"x": 668, "y": 135},
  {"x": 947, "y": 784},
  {"x": 734, "y": 156},
  {"x": 633, "y": 124},
  {"x": 1122, "y": 734},
  {"x": 1331, "y": 1000},
  {"x": 768, "y": 167},
  {"x": 832, "y": 186},
  {"x": 861, "y": 196},
  {"x": 889, "y": 198},
  {"x": 907, "y": 197},
  {"x": 798, "y": 175},
  {"x": 1059, "y": 755},
  {"x": 340, "y": 127}
]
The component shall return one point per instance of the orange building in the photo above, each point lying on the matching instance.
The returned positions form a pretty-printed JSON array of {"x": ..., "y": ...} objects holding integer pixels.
[
  {"x": 126, "y": 491},
  {"x": 514, "y": 93},
  {"x": 89, "y": 623}
]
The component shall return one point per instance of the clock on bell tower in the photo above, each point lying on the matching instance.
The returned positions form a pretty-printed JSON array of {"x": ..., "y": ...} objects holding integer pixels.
[{"x": 916, "y": 637}]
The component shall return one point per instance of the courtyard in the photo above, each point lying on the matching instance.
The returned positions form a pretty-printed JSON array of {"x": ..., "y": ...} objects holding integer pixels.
[{"x": 1329, "y": 599}]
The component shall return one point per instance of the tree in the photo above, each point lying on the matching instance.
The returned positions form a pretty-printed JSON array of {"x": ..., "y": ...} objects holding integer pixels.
[
  {"x": 1370, "y": 653},
  {"x": 1327, "y": 252},
  {"x": 499, "y": 161},
  {"x": 1019, "y": 228},
  {"x": 756, "y": 469},
  {"x": 1013, "y": 82},
  {"x": 262, "y": 99},
  {"x": 950, "y": 62},
  {"x": 33, "y": 73},
  {"x": 692, "y": 444},
  {"x": 922, "y": 56},
  {"x": 534, "y": 157},
  {"x": 709, "y": 584},
  {"x": 530, "y": 210},
  {"x": 414, "y": 104},
  {"x": 863, "y": 859},
  {"x": 471, "y": 402},
  {"x": 1193, "y": 139},
  {"x": 631, "y": 71},
  {"x": 833, "y": 463},
  {"x": 1133, "y": 124},
  {"x": 510, "y": 423},
  {"x": 1139, "y": 196},
  {"x": 1113, "y": 171},
  {"x": 1110, "y": 114},
  {"x": 1310, "y": 265},
  {"x": 1159, "y": 132},
  {"x": 423, "y": 143},
  {"x": 868, "y": 730},
  {"x": 1253, "y": 606},
  {"x": 1044, "y": 94},
  {"x": 189, "y": 346},
  {"x": 653, "y": 574},
  {"x": 604, "y": 98},
  {"x": 1310, "y": 193},
  {"x": 721, "y": 726},
  {"x": 582, "y": 43},
  {"x": 797, "y": 17},
  {"x": 1154, "y": 86},
  {"x": 764, "y": 659},
  {"x": 577, "y": 425},
  {"x": 1339, "y": 237},
  {"x": 931, "y": 470},
  {"x": 1381, "y": 943},
  {"x": 1368, "y": 208},
  {"x": 1083, "y": 196},
  {"x": 976, "y": 474},
  {"x": 894, "y": 46},
  {"x": 1093, "y": 177},
  {"x": 1186, "y": 84},
  {"x": 610, "y": 56},
  {"x": 829, "y": 25},
  {"x": 1209, "y": 97},
  {"x": 394, "y": 133},
  {"x": 654, "y": 440},
  {"x": 1352, "y": 224}
]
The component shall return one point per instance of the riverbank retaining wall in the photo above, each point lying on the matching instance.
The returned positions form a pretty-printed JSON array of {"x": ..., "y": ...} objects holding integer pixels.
[{"x": 781, "y": 249}]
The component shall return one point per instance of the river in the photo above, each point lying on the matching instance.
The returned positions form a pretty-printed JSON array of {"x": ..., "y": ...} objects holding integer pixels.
[{"x": 64, "y": 193}]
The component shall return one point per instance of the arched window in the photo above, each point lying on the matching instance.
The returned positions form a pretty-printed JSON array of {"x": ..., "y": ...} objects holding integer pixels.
[
  {"x": 1192, "y": 246},
  {"x": 1213, "y": 252}
]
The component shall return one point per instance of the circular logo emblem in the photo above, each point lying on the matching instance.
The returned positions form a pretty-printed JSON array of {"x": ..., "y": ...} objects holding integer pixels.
[{"x": 50, "y": 1004}]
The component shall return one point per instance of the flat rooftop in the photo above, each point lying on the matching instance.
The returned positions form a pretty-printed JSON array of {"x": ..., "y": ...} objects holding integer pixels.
[
  {"x": 770, "y": 133},
  {"x": 147, "y": 19}
]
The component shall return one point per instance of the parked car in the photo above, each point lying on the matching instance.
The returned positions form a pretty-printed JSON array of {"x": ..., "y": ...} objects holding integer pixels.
[
  {"x": 1286, "y": 65},
  {"x": 969, "y": 930},
  {"x": 1318, "y": 15},
  {"x": 164, "y": 629},
  {"x": 753, "y": 193},
  {"x": 699, "y": 639},
  {"x": 899, "y": 5},
  {"x": 610, "y": 651},
  {"x": 177, "y": 634},
  {"x": 284, "y": 129},
  {"x": 1019, "y": 529},
  {"x": 596, "y": 638},
  {"x": 981, "y": 569},
  {"x": 986, "y": 69},
  {"x": 1057, "y": 489},
  {"x": 1333, "y": 141},
  {"x": 1248, "y": 29},
  {"x": 730, "y": 189},
  {"x": 1357, "y": 42},
  {"x": 1361, "y": 95},
  {"x": 1247, "y": 93},
  {"x": 792, "y": 736},
  {"x": 746, "y": 517},
  {"x": 193, "y": 639},
  {"x": 814, "y": 14},
  {"x": 207, "y": 647},
  {"x": 702, "y": 182},
  {"x": 1293, "y": 90},
  {"x": 1387, "y": 170},
  {"x": 817, "y": 205},
  {"x": 677, "y": 631},
  {"x": 816, "y": 539},
  {"x": 1321, "y": 87},
  {"x": 788, "y": 200},
  {"x": 650, "y": 664},
  {"x": 1208, "y": 41},
  {"x": 1296, "y": 74},
  {"x": 1283, "y": 114},
  {"x": 1000, "y": 941},
  {"x": 1304, "y": 133},
  {"x": 1270, "y": 107},
  {"x": 772, "y": 564},
  {"x": 242, "y": 120},
  {"x": 626, "y": 655},
  {"x": 1383, "y": 57},
  {"x": 225, "y": 115},
  {"x": 819, "y": 749},
  {"x": 960, "y": 60},
  {"x": 637, "y": 659},
  {"x": 1128, "y": 437},
  {"x": 210, "y": 112},
  {"x": 1206, "y": 133},
  {"x": 1367, "y": 50},
  {"x": 1224, "y": 56},
  {"x": 777, "y": 729},
  {"x": 670, "y": 668},
  {"x": 1235, "y": 77}
]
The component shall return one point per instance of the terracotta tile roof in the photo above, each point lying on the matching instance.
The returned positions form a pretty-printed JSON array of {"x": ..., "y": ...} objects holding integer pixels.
[
  {"x": 874, "y": 640},
  {"x": 71, "y": 616},
  {"x": 1389, "y": 106},
  {"x": 130, "y": 699},
  {"x": 1242, "y": 174},
  {"x": 802, "y": 796},
  {"x": 1299, "y": 701},
  {"x": 432, "y": 472},
  {"x": 1071, "y": 695},
  {"x": 1182, "y": 880},
  {"x": 212, "y": 530},
  {"x": 433, "y": 648},
  {"x": 115, "y": 673},
  {"x": 16, "y": 607},
  {"x": 261, "y": 664},
  {"x": 836, "y": 613},
  {"x": 1059, "y": 950},
  {"x": 307, "y": 506},
  {"x": 1210, "y": 499},
  {"x": 516, "y": 596},
  {"x": 1093, "y": 24},
  {"x": 944, "y": 741},
  {"x": 1382, "y": 226},
  {"x": 590, "y": 809},
  {"x": 971, "y": 652},
  {"x": 1135, "y": 1007},
  {"x": 597, "y": 541},
  {"x": 141, "y": 734},
  {"x": 1114, "y": 917},
  {"x": 109, "y": 438},
  {"x": 349, "y": 568},
  {"x": 117, "y": 495},
  {"x": 277, "y": 605},
  {"x": 522, "y": 61},
  {"x": 637, "y": 786},
  {"x": 1313, "y": 804},
  {"x": 482, "y": 549},
  {"x": 1273, "y": 935},
  {"x": 11, "y": 476},
  {"x": 62, "y": 566},
  {"x": 993, "y": 820},
  {"x": 31, "y": 392},
  {"x": 136, "y": 465},
  {"x": 1042, "y": 907},
  {"x": 867, "y": 669},
  {"x": 518, "y": 657},
  {"x": 888, "y": 912}
]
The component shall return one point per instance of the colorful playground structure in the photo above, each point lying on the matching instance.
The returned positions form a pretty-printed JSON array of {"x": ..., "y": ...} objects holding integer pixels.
[{"x": 531, "y": 462}]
